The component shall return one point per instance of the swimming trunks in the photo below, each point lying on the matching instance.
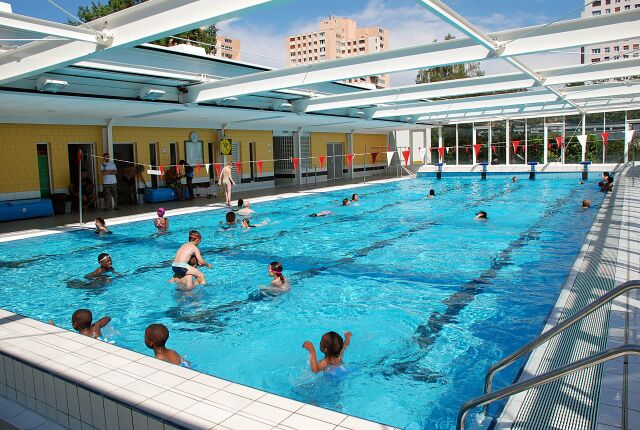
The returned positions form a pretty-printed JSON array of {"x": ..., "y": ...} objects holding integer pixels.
[
  {"x": 180, "y": 269},
  {"x": 226, "y": 181}
]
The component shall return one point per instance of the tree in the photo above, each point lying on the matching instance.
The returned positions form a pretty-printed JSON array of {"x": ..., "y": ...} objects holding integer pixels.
[
  {"x": 449, "y": 72},
  {"x": 96, "y": 10}
]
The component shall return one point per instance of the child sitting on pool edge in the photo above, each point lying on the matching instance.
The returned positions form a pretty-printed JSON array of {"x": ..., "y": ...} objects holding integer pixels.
[
  {"x": 161, "y": 222},
  {"x": 333, "y": 347},
  {"x": 155, "y": 337},
  {"x": 81, "y": 322}
]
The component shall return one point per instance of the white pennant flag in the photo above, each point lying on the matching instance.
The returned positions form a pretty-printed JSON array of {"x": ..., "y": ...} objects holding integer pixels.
[
  {"x": 629, "y": 135},
  {"x": 400, "y": 152},
  {"x": 422, "y": 153},
  {"x": 206, "y": 167},
  {"x": 583, "y": 141},
  {"x": 389, "y": 157}
]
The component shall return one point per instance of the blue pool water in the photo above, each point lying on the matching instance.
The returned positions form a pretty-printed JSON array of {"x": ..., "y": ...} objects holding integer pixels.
[{"x": 431, "y": 296}]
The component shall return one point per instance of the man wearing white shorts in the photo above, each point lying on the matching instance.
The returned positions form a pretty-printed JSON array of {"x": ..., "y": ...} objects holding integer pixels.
[{"x": 109, "y": 181}]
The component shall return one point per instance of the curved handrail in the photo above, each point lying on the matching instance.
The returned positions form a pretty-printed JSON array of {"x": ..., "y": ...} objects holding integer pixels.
[
  {"x": 595, "y": 305},
  {"x": 568, "y": 369}
]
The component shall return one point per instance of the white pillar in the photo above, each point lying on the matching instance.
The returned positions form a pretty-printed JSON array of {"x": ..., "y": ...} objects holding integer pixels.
[
  {"x": 507, "y": 143},
  {"x": 604, "y": 128},
  {"x": 107, "y": 145},
  {"x": 297, "y": 150},
  {"x": 584, "y": 132},
  {"x": 427, "y": 144},
  {"x": 457, "y": 147},
  {"x": 546, "y": 142},
  {"x": 627, "y": 128},
  {"x": 473, "y": 143},
  {"x": 440, "y": 142},
  {"x": 350, "y": 151}
]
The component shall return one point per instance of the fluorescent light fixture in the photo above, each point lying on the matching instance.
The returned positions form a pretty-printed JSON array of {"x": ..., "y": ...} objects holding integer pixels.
[
  {"x": 50, "y": 85},
  {"x": 150, "y": 93}
]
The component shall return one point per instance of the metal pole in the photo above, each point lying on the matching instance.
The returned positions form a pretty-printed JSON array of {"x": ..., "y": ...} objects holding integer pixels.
[
  {"x": 365, "y": 163},
  {"x": 80, "y": 183},
  {"x": 315, "y": 176}
]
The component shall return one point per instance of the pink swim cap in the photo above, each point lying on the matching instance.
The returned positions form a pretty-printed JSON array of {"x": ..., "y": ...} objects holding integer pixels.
[{"x": 160, "y": 212}]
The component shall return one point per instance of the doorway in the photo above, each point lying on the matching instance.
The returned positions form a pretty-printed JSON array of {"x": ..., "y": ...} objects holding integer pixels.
[
  {"x": 87, "y": 162},
  {"x": 44, "y": 169},
  {"x": 334, "y": 161},
  {"x": 483, "y": 138},
  {"x": 153, "y": 159},
  {"x": 124, "y": 159}
]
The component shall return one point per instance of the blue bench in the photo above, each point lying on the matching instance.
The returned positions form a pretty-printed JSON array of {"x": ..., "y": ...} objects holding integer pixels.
[
  {"x": 154, "y": 195},
  {"x": 21, "y": 209}
]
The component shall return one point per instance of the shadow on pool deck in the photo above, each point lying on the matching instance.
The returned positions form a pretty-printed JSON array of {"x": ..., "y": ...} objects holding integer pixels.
[{"x": 71, "y": 218}]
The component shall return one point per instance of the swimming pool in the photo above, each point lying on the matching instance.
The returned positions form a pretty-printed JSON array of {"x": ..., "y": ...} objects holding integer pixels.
[{"x": 431, "y": 296}]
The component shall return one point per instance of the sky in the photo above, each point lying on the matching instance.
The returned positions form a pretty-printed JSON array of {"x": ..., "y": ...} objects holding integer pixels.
[{"x": 263, "y": 33}]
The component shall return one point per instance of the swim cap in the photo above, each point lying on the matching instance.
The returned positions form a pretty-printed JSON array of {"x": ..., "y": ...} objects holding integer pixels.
[{"x": 160, "y": 211}]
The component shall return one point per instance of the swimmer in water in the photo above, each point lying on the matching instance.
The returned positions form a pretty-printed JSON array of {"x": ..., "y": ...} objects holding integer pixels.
[
  {"x": 345, "y": 202},
  {"x": 432, "y": 194},
  {"x": 161, "y": 222},
  {"x": 246, "y": 224},
  {"x": 514, "y": 179},
  {"x": 246, "y": 209},
  {"x": 586, "y": 204},
  {"x": 101, "y": 226},
  {"x": 355, "y": 198},
  {"x": 333, "y": 348},
  {"x": 81, "y": 321},
  {"x": 321, "y": 213},
  {"x": 481, "y": 215},
  {"x": 106, "y": 266},
  {"x": 279, "y": 283},
  {"x": 155, "y": 337},
  {"x": 180, "y": 266},
  {"x": 230, "y": 221}
]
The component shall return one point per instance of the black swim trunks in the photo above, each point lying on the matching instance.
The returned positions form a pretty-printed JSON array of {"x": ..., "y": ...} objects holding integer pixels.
[{"x": 179, "y": 272}]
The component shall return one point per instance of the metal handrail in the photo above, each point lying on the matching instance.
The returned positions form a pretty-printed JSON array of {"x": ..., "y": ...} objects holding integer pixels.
[
  {"x": 595, "y": 305},
  {"x": 568, "y": 369}
]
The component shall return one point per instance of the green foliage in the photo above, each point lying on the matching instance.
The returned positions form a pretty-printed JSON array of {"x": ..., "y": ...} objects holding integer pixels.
[
  {"x": 97, "y": 10},
  {"x": 449, "y": 72}
]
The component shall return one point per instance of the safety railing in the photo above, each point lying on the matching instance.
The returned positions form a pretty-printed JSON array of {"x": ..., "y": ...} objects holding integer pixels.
[
  {"x": 550, "y": 376},
  {"x": 587, "y": 310}
]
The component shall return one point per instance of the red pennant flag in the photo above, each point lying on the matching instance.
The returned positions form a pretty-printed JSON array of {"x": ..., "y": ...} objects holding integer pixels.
[
  {"x": 218, "y": 167},
  {"x": 440, "y": 153},
  {"x": 559, "y": 141},
  {"x": 466, "y": 150},
  {"x": 549, "y": 145},
  {"x": 476, "y": 148},
  {"x": 239, "y": 167},
  {"x": 349, "y": 159},
  {"x": 321, "y": 160},
  {"x": 259, "y": 164},
  {"x": 178, "y": 168},
  {"x": 605, "y": 137},
  {"x": 495, "y": 150},
  {"x": 161, "y": 170},
  {"x": 374, "y": 155},
  {"x": 405, "y": 155},
  {"x": 295, "y": 163},
  {"x": 516, "y": 144},
  {"x": 79, "y": 156},
  {"x": 198, "y": 166}
]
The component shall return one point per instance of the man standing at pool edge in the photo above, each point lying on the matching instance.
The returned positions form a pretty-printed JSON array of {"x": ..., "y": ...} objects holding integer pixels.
[
  {"x": 227, "y": 180},
  {"x": 109, "y": 181}
]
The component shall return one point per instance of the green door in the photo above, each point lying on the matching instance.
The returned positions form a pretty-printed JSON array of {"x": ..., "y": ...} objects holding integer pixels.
[{"x": 43, "y": 170}]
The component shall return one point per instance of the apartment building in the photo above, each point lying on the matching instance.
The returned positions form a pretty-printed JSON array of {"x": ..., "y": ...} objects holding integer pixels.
[
  {"x": 227, "y": 47},
  {"x": 338, "y": 38},
  {"x": 611, "y": 51}
]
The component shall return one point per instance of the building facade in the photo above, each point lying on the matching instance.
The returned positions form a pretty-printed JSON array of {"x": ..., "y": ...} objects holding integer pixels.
[
  {"x": 611, "y": 51},
  {"x": 228, "y": 48},
  {"x": 338, "y": 38}
]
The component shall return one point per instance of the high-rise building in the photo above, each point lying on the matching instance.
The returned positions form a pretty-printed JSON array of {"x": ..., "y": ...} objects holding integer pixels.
[
  {"x": 615, "y": 50},
  {"x": 338, "y": 38},
  {"x": 227, "y": 47}
]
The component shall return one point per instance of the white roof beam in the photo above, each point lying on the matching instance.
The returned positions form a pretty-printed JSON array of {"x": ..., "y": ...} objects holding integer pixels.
[
  {"x": 144, "y": 22},
  {"x": 602, "y": 91},
  {"x": 591, "y": 72},
  {"x": 44, "y": 27},
  {"x": 560, "y": 35}
]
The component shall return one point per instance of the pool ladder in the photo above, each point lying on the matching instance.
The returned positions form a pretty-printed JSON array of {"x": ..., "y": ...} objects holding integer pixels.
[{"x": 601, "y": 357}]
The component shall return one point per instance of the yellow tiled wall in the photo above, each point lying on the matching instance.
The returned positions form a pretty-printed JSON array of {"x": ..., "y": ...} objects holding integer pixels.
[
  {"x": 263, "y": 142},
  {"x": 19, "y": 172},
  {"x": 318, "y": 142},
  {"x": 369, "y": 143}
]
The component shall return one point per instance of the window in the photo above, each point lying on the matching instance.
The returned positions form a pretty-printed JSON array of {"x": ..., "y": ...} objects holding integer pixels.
[
  {"x": 616, "y": 49},
  {"x": 595, "y": 60},
  {"x": 194, "y": 151},
  {"x": 627, "y": 7},
  {"x": 596, "y": 13},
  {"x": 607, "y": 11},
  {"x": 606, "y": 58},
  {"x": 607, "y": 49},
  {"x": 636, "y": 46},
  {"x": 228, "y": 40},
  {"x": 596, "y": 3},
  {"x": 617, "y": 9},
  {"x": 595, "y": 51}
]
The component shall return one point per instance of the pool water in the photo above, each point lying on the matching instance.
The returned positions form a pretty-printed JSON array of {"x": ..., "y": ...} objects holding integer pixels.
[{"x": 432, "y": 297}]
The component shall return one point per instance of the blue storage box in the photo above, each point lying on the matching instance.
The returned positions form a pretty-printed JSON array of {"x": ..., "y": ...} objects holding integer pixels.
[
  {"x": 154, "y": 195},
  {"x": 21, "y": 209}
]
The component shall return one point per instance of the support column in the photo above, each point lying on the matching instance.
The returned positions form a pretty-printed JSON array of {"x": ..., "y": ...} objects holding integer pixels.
[
  {"x": 490, "y": 146},
  {"x": 545, "y": 145},
  {"x": 350, "y": 151},
  {"x": 604, "y": 128},
  {"x": 507, "y": 142},
  {"x": 584, "y": 133},
  {"x": 440, "y": 142},
  {"x": 107, "y": 144},
  {"x": 427, "y": 145},
  {"x": 457, "y": 147},
  {"x": 473, "y": 143},
  {"x": 526, "y": 142},
  {"x": 410, "y": 147},
  {"x": 627, "y": 128},
  {"x": 297, "y": 150}
]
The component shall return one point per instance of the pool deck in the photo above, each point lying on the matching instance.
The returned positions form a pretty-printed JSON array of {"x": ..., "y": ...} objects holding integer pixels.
[
  {"x": 52, "y": 378},
  {"x": 592, "y": 398}
]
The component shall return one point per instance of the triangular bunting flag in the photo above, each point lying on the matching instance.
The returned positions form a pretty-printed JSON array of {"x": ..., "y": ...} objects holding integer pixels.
[
  {"x": 390, "y": 157},
  {"x": 406, "y": 154},
  {"x": 178, "y": 169},
  {"x": 628, "y": 136},
  {"x": 476, "y": 148},
  {"x": 440, "y": 153},
  {"x": 516, "y": 144},
  {"x": 198, "y": 166},
  {"x": 422, "y": 153},
  {"x": 218, "y": 167},
  {"x": 559, "y": 140},
  {"x": 206, "y": 167},
  {"x": 349, "y": 159},
  {"x": 79, "y": 156},
  {"x": 374, "y": 155},
  {"x": 605, "y": 137},
  {"x": 161, "y": 170},
  {"x": 259, "y": 165},
  {"x": 466, "y": 150},
  {"x": 295, "y": 160},
  {"x": 549, "y": 145},
  {"x": 495, "y": 149},
  {"x": 583, "y": 141},
  {"x": 400, "y": 153},
  {"x": 239, "y": 167},
  {"x": 321, "y": 160}
]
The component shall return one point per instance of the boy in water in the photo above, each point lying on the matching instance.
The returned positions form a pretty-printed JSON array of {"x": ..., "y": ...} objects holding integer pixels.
[
  {"x": 230, "y": 220},
  {"x": 101, "y": 226},
  {"x": 180, "y": 265},
  {"x": 81, "y": 321},
  {"x": 481, "y": 215},
  {"x": 161, "y": 222},
  {"x": 321, "y": 213},
  {"x": 333, "y": 348},
  {"x": 155, "y": 337},
  {"x": 106, "y": 266},
  {"x": 346, "y": 202},
  {"x": 246, "y": 209},
  {"x": 586, "y": 204}
]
